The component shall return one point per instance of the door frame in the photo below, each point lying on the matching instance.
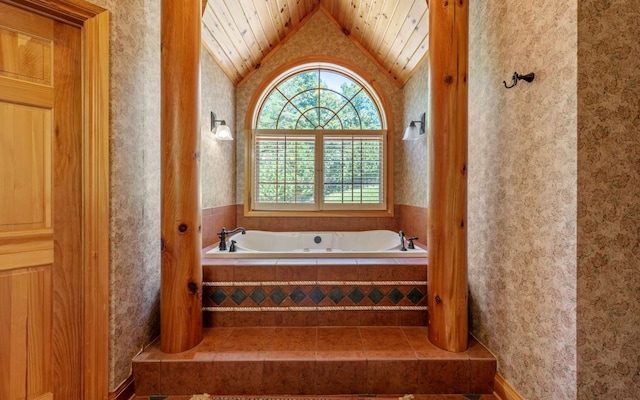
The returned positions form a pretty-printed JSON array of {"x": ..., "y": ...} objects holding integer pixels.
[{"x": 93, "y": 22}]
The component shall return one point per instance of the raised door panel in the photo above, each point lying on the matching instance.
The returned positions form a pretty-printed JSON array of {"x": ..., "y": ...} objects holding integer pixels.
[
  {"x": 25, "y": 167},
  {"x": 25, "y": 56},
  {"x": 26, "y": 205},
  {"x": 25, "y": 328}
]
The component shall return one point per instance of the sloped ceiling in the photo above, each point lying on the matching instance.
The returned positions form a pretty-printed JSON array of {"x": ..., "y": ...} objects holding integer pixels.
[{"x": 241, "y": 34}]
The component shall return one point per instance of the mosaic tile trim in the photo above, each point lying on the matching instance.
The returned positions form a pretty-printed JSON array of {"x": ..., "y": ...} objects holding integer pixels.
[
  {"x": 337, "y": 308},
  {"x": 319, "y": 283},
  {"x": 315, "y": 295}
]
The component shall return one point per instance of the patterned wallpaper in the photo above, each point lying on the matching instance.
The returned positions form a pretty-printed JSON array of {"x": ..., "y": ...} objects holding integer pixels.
[
  {"x": 319, "y": 36},
  {"x": 608, "y": 199},
  {"x": 412, "y": 164},
  {"x": 218, "y": 156},
  {"x": 522, "y": 191},
  {"x": 135, "y": 181}
]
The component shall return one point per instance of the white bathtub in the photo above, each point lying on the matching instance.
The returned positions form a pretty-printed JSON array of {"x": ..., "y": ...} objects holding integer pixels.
[{"x": 263, "y": 244}]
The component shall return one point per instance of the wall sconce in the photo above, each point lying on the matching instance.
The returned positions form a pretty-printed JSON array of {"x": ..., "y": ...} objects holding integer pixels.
[
  {"x": 222, "y": 131},
  {"x": 412, "y": 132}
]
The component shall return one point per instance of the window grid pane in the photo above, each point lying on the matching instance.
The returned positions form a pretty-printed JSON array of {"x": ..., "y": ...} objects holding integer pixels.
[
  {"x": 285, "y": 170},
  {"x": 353, "y": 170}
]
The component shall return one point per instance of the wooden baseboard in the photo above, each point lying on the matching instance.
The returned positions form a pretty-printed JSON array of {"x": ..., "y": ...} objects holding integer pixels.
[
  {"x": 125, "y": 391},
  {"x": 504, "y": 391}
]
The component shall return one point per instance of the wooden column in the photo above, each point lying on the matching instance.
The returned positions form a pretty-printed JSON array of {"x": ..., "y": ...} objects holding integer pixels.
[
  {"x": 447, "y": 239},
  {"x": 181, "y": 282}
]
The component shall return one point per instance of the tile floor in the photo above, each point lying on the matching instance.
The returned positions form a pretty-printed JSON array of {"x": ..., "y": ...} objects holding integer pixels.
[{"x": 315, "y": 360}]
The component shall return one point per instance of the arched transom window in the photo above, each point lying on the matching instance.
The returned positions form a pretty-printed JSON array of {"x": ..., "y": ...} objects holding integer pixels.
[{"x": 319, "y": 143}]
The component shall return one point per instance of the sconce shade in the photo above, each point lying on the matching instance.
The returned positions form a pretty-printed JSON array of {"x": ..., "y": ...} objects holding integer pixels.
[
  {"x": 222, "y": 131},
  {"x": 413, "y": 132}
]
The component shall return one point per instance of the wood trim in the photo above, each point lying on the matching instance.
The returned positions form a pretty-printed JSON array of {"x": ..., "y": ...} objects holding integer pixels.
[
  {"x": 125, "y": 391},
  {"x": 504, "y": 391},
  {"x": 94, "y": 24},
  {"x": 96, "y": 194},
  {"x": 73, "y": 12}
]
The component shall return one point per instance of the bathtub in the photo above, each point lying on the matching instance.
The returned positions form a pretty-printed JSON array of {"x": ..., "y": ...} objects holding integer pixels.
[{"x": 263, "y": 244}]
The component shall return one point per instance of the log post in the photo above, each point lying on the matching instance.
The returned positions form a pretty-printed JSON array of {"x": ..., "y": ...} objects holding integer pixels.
[
  {"x": 181, "y": 279},
  {"x": 447, "y": 240}
]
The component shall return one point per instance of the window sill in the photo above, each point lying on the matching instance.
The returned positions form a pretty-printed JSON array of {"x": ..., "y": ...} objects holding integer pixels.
[{"x": 321, "y": 214}]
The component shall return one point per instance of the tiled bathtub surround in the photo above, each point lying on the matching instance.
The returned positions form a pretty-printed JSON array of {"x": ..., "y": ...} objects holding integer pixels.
[{"x": 303, "y": 292}]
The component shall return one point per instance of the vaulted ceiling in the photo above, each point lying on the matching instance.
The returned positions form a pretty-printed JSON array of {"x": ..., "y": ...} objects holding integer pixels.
[{"x": 240, "y": 34}]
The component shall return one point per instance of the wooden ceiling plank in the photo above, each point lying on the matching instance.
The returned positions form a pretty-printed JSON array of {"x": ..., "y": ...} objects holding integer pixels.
[
  {"x": 394, "y": 22},
  {"x": 212, "y": 23},
  {"x": 243, "y": 33},
  {"x": 354, "y": 11},
  {"x": 294, "y": 11},
  {"x": 360, "y": 25},
  {"x": 239, "y": 33},
  {"x": 373, "y": 23},
  {"x": 328, "y": 5},
  {"x": 263, "y": 14},
  {"x": 412, "y": 45},
  {"x": 285, "y": 15},
  {"x": 410, "y": 26},
  {"x": 280, "y": 44},
  {"x": 223, "y": 59},
  {"x": 251, "y": 15},
  {"x": 414, "y": 60},
  {"x": 341, "y": 15},
  {"x": 276, "y": 18},
  {"x": 220, "y": 58},
  {"x": 365, "y": 52}
]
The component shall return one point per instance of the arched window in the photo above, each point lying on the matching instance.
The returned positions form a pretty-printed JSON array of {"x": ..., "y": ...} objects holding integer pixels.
[{"x": 319, "y": 142}]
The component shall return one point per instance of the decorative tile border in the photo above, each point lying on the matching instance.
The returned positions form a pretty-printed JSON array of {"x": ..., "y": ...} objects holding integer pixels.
[
  {"x": 314, "y": 294},
  {"x": 337, "y": 308},
  {"x": 317, "y": 283}
]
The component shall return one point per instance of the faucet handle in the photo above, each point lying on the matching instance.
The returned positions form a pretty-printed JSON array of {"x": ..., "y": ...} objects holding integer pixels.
[{"x": 411, "y": 245}]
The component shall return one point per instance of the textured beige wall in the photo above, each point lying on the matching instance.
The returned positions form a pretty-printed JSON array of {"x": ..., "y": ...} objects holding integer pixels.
[
  {"x": 218, "y": 157},
  {"x": 135, "y": 181},
  {"x": 608, "y": 199},
  {"x": 522, "y": 191},
  {"x": 412, "y": 156},
  {"x": 319, "y": 36}
]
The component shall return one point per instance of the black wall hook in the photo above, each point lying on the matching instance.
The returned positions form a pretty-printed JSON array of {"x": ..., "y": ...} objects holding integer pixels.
[{"x": 517, "y": 77}]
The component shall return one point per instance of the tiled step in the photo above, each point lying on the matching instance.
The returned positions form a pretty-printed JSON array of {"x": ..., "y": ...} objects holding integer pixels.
[{"x": 314, "y": 361}]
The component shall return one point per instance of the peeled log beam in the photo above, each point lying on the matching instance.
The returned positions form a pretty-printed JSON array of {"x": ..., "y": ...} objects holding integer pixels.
[
  {"x": 181, "y": 279},
  {"x": 447, "y": 270}
]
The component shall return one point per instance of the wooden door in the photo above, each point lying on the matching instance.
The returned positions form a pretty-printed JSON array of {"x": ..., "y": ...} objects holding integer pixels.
[{"x": 40, "y": 208}]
